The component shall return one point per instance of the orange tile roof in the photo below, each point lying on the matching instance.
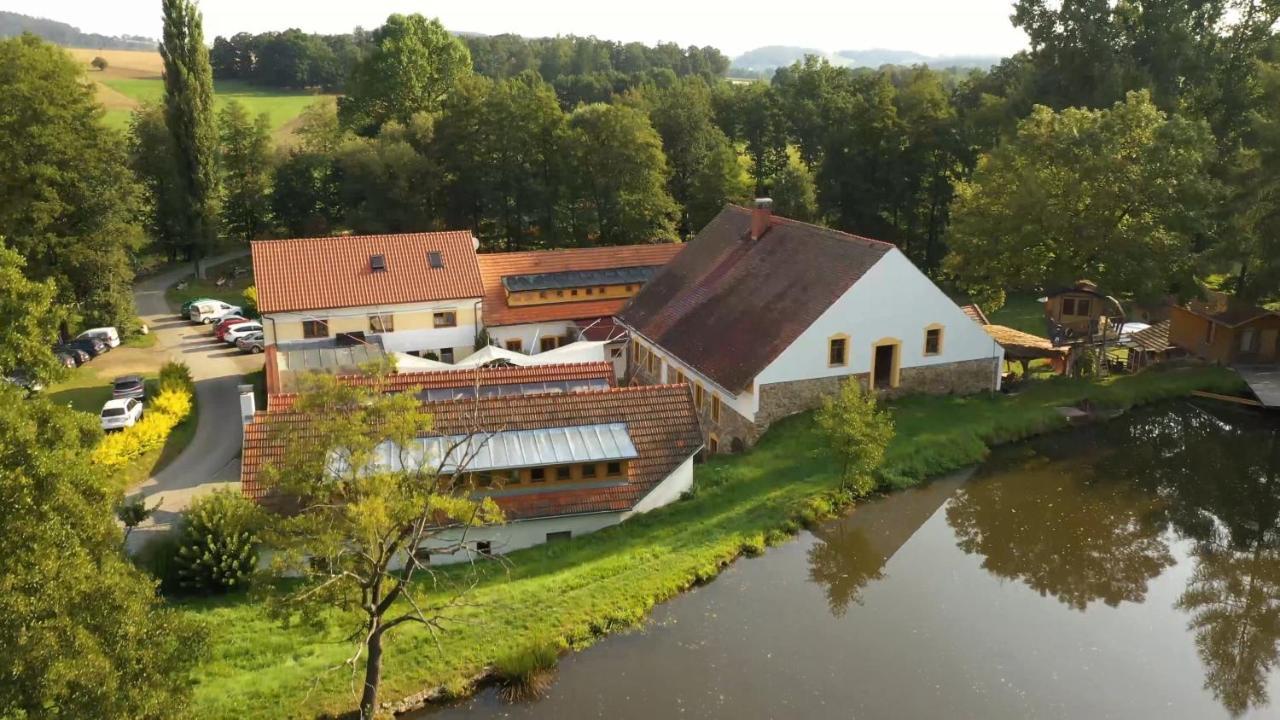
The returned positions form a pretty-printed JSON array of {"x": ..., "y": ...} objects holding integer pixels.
[
  {"x": 334, "y": 272},
  {"x": 467, "y": 377},
  {"x": 660, "y": 420},
  {"x": 495, "y": 266}
]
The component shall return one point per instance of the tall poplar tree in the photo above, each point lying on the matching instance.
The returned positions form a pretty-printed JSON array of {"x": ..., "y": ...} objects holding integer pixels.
[{"x": 188, "y": 101}]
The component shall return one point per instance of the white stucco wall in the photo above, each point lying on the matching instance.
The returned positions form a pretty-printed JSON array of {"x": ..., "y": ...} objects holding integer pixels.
[
  {"x": 528, "y": 334},
  {"x": 668, "y": 491},
  {"x": 519, "y": 535},
  {"x": 892, "y": 300}
]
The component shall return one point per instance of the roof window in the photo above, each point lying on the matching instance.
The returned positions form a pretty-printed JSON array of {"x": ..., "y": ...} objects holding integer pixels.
[
  {"x": 435, "y": 260},
  {"x": 378, "y": 263}
]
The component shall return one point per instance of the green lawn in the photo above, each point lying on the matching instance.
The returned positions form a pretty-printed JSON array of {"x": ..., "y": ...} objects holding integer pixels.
[
  {"x": 281, "y": 105},
  {"x": 1021, "y": 312},
  {"x": 577, "y": 591},
  {"x": 231, "y": 292}
]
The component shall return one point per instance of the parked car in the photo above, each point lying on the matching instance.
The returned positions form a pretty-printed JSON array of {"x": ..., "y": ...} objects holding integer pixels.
[
  {"x": 186, "y": 306},
  {"x": 213, "y": 310},
  {"x": 93, "y": 346},
  {"x": 222, "y": 326},
  {"x": 77, "y": 355},
  {"x": 108, "y": 335},
  {"x": 66, "y": 359},
  {"x": 129, "y": 386},
  {"x": 252, "y": 343},
  {"x": 235, "y": 332},
  {"x": 120, "y": 413}
]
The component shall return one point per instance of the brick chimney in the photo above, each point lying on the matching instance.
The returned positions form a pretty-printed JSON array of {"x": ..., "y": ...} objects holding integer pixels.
[{"x": 761, "y": 217}]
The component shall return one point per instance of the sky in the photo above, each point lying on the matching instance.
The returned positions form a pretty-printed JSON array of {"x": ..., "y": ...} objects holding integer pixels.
[{"x": 930, "y": 27}]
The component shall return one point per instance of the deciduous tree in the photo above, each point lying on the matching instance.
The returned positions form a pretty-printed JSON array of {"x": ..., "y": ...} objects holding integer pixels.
[
  {"x": 621, "y": 173},
  {"x": 67, "y": 199},
  {"x": 1118, "y": 196},
  {"x": 357, "y": 521},
  {"x": 81, "y": 630},
  {"x": 32, "y": 318},
  {"x": 245, "y": 153},
  {"x": 412, "y": 64}
]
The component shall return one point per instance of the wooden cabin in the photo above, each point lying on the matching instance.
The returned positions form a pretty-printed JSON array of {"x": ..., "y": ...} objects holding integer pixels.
[
  {"x": 1225, "y": 330},
  {"x": 1079, "y": 310}
]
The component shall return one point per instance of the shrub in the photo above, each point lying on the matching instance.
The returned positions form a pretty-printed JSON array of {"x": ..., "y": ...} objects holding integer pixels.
[
  {"x": 250, "y": 301},
  {"x": 157, "y": 557},
  {"x": 99, "y": 63},
  {"x": 527, "y": 673},
  {"x": 859, "y": 431},
  {"x": 217, "y": 546},
  {"x": 176, "y": 375}
]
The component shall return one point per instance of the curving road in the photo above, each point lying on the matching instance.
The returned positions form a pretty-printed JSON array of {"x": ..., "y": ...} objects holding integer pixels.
[{"x": 212, "y": 460}]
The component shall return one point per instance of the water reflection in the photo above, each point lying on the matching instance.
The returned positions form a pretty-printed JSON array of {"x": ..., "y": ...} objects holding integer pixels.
[
  {"x": 1092, "y": 515},
  {"x": 1225, "y": 496}
]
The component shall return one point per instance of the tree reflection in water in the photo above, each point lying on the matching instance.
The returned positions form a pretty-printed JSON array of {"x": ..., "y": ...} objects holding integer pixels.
[
  {"x": 843, "y": 561},
  {"x": 1089, "y": 520},
  {"x": 1068, "y": 530},
  {"x": 1220, "y": 472}
]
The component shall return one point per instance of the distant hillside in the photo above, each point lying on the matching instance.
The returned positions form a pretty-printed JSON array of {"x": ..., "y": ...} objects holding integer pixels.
[
  {"x": 764, "y": 60},
  {"x": 60, "y": 33},
  {"x": 877, "y": 57}
]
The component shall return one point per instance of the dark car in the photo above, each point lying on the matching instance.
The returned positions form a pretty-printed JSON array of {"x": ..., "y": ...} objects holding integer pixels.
[
  {"x": 66, "y": 359},
  {"x": 92, "y": 346},
  {"x": 79, "y": 356},
  {"x": 129, "y": 386}
]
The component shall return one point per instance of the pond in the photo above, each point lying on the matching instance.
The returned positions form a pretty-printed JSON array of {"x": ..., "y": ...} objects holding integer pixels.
[{"x": 1127, "y": 570}]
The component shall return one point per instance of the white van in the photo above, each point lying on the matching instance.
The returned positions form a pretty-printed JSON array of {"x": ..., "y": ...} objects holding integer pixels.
[
  {"x": 211, "y": 310},
  {"x": 108, "y": 335}
]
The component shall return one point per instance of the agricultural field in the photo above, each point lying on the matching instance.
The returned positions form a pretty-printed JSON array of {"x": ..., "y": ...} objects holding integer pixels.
[{"x": 133, "y": 77}]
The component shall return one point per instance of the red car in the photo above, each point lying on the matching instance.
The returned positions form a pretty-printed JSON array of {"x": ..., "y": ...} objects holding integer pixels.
[{"x": 220, "y": 330}]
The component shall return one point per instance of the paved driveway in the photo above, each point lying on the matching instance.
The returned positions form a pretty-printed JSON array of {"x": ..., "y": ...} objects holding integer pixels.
[{"x": 212, "y": 460}]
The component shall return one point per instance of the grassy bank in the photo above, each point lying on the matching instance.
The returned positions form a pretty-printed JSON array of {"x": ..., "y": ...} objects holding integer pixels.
[
  {"x": 231, "y": 292},
  {"x": 574, "y": 592}
]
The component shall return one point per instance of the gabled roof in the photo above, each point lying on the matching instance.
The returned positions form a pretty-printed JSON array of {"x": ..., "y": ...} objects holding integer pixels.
[
  {"x": 337, "y": 272},
  {"x": 660, "y": 421},
  {"x": 1226, "y": 310},
  {"x": 469, "y": 378},
  {"x": 729, "y": 305},
  {"x": 975, "y": 314},
  {"x": 496, "y": 266}
]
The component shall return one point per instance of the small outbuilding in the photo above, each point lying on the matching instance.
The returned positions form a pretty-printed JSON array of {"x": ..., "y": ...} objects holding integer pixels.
[{"x": 1226, "y": 330}]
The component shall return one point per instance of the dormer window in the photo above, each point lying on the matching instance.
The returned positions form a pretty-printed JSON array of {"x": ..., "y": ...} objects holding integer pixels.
[
  {"x": 435, "y": 260},
  {"x": 378, "y": 263}
]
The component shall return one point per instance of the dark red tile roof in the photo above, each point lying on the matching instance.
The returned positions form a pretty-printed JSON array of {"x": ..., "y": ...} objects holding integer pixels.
[
  {"x": 660, "y": 419},
  {"x": 1226, "y": 309},
  {"x": 335, "y": 272},
  {"x": 466, "y": 377},
  {"x": 495, "y": 266},
  {"x": 729, "y": 305}
]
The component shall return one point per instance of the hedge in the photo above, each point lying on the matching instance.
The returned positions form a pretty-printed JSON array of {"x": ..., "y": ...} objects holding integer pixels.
[{"x": 170, "y": 407}]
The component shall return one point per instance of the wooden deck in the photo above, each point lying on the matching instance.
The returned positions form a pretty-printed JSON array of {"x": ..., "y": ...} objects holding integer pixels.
[{"x": 1264, "y": 381}]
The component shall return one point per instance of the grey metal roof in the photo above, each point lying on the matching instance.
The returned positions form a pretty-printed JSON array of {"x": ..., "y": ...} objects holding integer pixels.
[
  {"x": 580, "y": 278},
  {"x": 324, "y": 356},
  {"x": 510, "y": 449}
]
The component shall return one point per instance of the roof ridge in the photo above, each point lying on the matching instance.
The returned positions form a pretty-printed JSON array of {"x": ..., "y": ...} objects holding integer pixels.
[
  {"x": 266, "y": 241},
  {"x": 824, "y": 228}
]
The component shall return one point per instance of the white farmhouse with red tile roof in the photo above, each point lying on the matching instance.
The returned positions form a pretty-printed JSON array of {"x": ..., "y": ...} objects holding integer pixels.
[{"x": 418, "y": 293}]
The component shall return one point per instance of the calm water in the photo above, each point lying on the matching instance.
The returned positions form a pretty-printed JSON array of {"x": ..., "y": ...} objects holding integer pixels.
[{"x": 1130, "y": 570}]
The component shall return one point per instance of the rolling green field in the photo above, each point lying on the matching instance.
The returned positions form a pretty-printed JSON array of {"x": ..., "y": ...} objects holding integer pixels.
[{"x": 282, "y": 106}]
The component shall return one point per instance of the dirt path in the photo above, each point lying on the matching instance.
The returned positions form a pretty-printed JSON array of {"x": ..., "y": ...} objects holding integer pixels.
[{"x": 212, "y": 460}]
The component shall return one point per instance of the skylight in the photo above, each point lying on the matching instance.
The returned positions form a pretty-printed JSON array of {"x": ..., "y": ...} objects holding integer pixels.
[
  {"x": 378, "y": 263},
  {"x": 435, "y": 259}
]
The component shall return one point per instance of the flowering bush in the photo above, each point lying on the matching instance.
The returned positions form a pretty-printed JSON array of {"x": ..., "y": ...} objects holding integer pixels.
[{"x": 171, "y": 406}]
